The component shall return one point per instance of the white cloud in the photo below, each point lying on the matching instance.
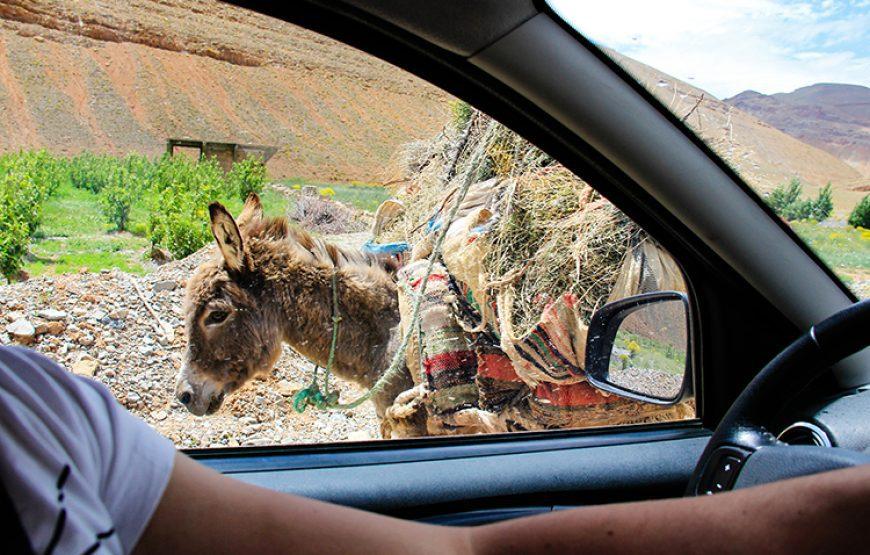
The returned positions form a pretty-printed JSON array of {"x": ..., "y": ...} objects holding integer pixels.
[{"x": 727, "y": 46}]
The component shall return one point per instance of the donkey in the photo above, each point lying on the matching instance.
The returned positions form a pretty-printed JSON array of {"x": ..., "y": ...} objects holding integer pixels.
[{"x": 271, "y": 284}]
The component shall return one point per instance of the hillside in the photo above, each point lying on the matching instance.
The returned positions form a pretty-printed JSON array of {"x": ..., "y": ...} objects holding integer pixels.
[
  {"x": 833, "y": 117},
  {"x": 764, "y": 155},
  {"x": 74, "y": 77}
]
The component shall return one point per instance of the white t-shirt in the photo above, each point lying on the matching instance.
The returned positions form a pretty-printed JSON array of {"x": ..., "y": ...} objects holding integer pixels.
[{"x": 83, "y": 474}]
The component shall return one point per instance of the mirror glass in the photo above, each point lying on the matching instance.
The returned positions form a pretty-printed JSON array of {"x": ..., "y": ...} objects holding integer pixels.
[{"x": 649, "y": 352}]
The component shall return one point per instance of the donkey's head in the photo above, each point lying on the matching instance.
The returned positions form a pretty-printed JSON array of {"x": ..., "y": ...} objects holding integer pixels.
[{"x": 233, "y": 332}]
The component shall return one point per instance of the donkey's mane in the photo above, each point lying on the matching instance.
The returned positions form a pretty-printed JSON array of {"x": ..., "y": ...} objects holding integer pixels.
[{"x": 323, "y": 252}]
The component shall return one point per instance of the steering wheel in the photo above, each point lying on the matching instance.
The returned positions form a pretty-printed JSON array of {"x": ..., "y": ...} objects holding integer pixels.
[{"x": 733, "y": 456}]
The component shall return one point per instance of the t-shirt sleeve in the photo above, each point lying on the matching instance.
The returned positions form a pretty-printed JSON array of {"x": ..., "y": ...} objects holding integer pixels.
[{"x": 80, "y": 469}]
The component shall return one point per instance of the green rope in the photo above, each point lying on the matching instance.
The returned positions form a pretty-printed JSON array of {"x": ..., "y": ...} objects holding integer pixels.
[
  {"x": 313, "y": 394},
  {"x": 328, "y": 400}
]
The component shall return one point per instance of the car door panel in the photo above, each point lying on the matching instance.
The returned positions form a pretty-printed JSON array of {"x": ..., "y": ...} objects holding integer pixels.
[{"x": 445, "y": 480}]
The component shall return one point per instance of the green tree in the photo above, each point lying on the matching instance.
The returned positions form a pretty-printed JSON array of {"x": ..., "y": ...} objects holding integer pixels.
[
  {"x": 126, "y": 181},
  {"x": 823, "y": 206},
  {"x": 860, "y": 216},
  {"x": 787, "y": 202}
]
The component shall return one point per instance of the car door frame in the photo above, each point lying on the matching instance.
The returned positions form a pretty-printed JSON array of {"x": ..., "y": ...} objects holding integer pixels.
[{"x": 718, "y": 294}]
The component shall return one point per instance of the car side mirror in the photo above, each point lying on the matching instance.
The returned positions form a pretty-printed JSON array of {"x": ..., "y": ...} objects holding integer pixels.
[{"x": 638, "y": 347}]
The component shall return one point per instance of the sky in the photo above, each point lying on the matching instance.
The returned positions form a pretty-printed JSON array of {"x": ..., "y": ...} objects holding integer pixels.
[{"x": 728, "y": 46}]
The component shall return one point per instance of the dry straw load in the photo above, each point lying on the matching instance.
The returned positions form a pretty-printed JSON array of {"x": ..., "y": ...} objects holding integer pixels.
[
  {"x": 549, "y": 233},
  {"x": 533, "y": 253}
]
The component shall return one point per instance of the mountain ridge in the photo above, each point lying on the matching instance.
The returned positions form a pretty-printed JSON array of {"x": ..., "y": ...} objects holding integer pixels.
[{"x": 834, "y": 117}]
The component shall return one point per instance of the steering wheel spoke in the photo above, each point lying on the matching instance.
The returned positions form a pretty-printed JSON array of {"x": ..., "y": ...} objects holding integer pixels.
[{"x": 742, "y": 430}]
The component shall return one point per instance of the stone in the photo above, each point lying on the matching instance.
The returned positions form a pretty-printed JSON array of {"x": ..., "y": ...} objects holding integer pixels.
[
  {"x": 86, "y": 340},
  {"x": 51, "y": 328},
  {"x": 159, "y": 415},
  {"x": 119, "y": 314},
  {"x": 257, "y": 442},
  {"x": 165, "y": 285},
  {"x": 287, "y": 388},
  {"x": 22, "y": 331},
  {"x": 160, "y": 255},
  {"x": 97, "y": 315},
  {"x": 132, "y": 398},
  {"x": 52, "y": 314},
  {"x": 359, "y": 435},
  {"x": 14, "y": 315},
  {"x": 85, "y": 367}
]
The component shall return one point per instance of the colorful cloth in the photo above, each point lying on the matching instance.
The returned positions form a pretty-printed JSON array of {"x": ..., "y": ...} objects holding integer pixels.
[{"x": 448, "y": 364}]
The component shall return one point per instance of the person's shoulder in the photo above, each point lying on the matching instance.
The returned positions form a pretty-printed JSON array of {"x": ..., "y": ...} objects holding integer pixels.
[
  {"x": 23, "y": 353},
  {"x": 15, "y": 360}
]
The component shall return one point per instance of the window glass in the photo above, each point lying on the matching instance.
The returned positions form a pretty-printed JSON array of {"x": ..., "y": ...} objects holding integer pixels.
[
  {"x": 778, "y": 89},
  {"x": 121, "y": 124}
]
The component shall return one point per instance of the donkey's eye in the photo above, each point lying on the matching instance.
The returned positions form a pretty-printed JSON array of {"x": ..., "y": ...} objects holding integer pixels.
[{"x": 216, "y": 317}]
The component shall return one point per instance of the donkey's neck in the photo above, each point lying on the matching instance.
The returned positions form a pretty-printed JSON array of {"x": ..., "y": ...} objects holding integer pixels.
[{"x": 302, "y": 288}]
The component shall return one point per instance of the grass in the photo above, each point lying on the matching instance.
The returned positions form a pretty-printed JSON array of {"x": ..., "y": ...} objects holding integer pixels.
[
  {"x": 845, "y": 249},
  {"x": 75, "y": 236},
  {"x": 649, "y": 353}
]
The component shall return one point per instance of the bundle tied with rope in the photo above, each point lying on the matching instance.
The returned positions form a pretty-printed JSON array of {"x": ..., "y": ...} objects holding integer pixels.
[
  {"x": 511, "y": 255},
  {"x": 531, "y": 252}
]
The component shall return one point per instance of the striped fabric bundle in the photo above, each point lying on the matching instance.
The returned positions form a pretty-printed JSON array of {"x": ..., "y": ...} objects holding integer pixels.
[
  {"x": 469, "y": 370},
  {"x": 448, "y": 364}
]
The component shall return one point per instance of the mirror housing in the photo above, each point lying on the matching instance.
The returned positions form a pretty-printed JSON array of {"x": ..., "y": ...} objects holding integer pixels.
[{"x": 602, "y": 334}]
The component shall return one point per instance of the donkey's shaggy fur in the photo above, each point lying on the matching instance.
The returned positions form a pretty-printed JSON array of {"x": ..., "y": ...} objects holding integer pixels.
[{"x": 273, "y": 284}]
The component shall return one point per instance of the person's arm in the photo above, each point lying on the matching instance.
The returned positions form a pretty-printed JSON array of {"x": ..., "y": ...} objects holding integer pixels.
[{"x": 203, "y": 511}]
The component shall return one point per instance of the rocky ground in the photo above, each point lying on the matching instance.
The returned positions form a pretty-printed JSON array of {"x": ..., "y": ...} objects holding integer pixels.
[{"x": 99, "y": 325}]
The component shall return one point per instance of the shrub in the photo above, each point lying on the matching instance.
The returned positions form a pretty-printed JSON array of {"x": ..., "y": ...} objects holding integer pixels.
[
  {"x": 787, "y": 203},
  {"x": 180, "y": 192},
  {"x": 91, "y": 172},
  {"x": 247, "y": 176},
  {"x": 461, "y": 112},
  {"x": 127, "y": 179},
  {"x": 322, "y": 215},
  {"x": 27, "y": 179},
  {"x": 14, "y": 235},
  {"x": 860, "y": 216}
]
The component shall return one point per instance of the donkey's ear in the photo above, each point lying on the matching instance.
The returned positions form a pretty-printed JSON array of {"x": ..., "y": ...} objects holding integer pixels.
[
  {"x": 228, "y": 237},
  {"x": 252, "y": 211}
]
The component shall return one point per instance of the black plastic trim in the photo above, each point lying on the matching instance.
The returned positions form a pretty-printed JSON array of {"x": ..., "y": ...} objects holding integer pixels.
[{"x": 335, "y": 455}]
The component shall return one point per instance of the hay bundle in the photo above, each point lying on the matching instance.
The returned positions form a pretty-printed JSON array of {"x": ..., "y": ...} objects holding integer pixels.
[
  {"x": 552, "y": 233},
  {"x": 562, "y": 237}
]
